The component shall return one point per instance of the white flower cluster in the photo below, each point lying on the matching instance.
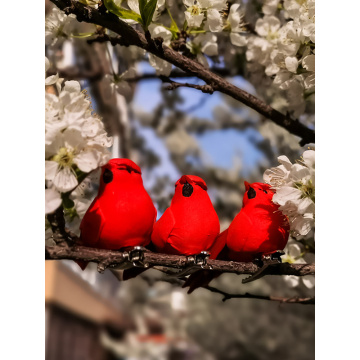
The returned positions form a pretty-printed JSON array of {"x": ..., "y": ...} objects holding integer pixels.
[
  {"x": 58, "y": 26},
  {"x": 287, "y": 51},
  {"x": 75, "y": 140},
  {"x": 282, "y": 45},
  {"x": 203, "y": 19},
  {"x": 295, "y": 254},
  {"x": 295, "y": 192}
]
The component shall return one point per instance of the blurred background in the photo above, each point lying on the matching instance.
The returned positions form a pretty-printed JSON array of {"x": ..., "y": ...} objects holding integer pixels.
[{"x": 170, "y": 133}]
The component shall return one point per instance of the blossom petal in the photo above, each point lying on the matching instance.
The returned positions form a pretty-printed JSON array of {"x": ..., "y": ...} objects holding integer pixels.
[
  {"x": 291, "y": 280},
  {"x": 161, "y": 66},
  {"x": 291, "y": 63},
  {"x": 50, "y": 80},
  {"x": 309, "y": 158},
  {"x": 194, "y": 20},
  {"x": 72, "y": 86},
  {"x": 283, "y": 160},
  {"x": 309, "y": 281},
  {"x": 286, "y": 193},
  {"x": 299, "y": 173},
  {"x": 47, "y": 64},
  {"x": 52, "y": 200},
  {"x": 51, "y": 168},
  {"x": 87, "y": 160},
  {"x": 306, "y": 205},
  {"x": 65, "y": 180},
  {"x": 309, "y": 62},
  {"x": 214, "y": 20},
  {"x": 237, "y": 40}
]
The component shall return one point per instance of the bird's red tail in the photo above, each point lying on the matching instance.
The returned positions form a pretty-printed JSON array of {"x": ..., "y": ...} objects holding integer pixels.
[{"x": 83, "y": 264}]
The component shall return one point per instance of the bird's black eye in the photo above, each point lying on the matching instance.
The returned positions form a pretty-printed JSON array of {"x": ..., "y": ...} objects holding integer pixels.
[
  {"x": 187, "y": 189},
  {"x": 107, "y": 176},
  {"x": 251, "y": 193}
]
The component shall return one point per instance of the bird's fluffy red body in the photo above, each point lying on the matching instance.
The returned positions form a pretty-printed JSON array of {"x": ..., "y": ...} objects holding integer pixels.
[
  {"x": 122, "y": 214},
  {"x": 259, "y": 228},
  {"x": 190, "y": 225}
]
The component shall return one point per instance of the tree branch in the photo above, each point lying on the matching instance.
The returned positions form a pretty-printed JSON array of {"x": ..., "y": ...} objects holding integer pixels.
[
  {"x": 129, "y": 36},
  {"x": 290, "y": 300},
  {"x": 111, "y": 258},
  {"x": 226, "y": 296},
  {"x": 208, "y": 89}
]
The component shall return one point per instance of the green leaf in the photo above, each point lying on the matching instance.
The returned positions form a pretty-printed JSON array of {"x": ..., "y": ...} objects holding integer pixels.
[
  {"x": 173, "y": 27},
  {"x": 142, "y": 4},
  {"x": 148, "y": 13},
  {"x": 121, "y": 12}
]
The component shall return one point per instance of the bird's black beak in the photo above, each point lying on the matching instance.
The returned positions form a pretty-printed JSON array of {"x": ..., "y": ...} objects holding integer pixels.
[
  {"x": 251, "y": 193},
  {"x": 187, "y": 189}
]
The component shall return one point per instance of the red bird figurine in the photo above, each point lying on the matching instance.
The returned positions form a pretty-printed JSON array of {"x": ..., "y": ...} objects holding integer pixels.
[
  {"x": 257, "y": 231},
  {"x": 190, "y": 225},
  {"x": 259, "y": 228},
  {"x": 122, "y": 214}
]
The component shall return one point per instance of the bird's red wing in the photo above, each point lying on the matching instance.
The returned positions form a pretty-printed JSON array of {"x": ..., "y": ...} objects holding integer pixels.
[
  {"x": 162, "y": 229},
  {"x": 92, "y": 225},
  {"x": 218, "y": 245}
]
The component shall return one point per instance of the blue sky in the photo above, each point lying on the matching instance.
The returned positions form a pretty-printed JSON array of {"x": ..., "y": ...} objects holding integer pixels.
[{"x": 220, "y": 145}]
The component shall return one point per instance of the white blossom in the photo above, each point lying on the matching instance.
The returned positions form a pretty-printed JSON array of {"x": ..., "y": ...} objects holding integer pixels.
[
  {"x": 203, "y": 44},
  {"x": 290, "y": 38},
  {"x": 295, "y": 191},
  {"x": 270, "y": 7},
  {"x": 295, "y": 254},
  {"x": 52, "y": 200},
  {"x": 118, "y": 83},
  {"x": 134, "y": 6},
  {"x": 234, "y": 24},
  {"x": 57, "y": 26},
  {"x": 214, "y": 21},
  {"x": 75, "y": 138},
  {"x": 268, "y": 28},
  {"x": 197, "y": 10},
  {"x": 161, "y": 66}
]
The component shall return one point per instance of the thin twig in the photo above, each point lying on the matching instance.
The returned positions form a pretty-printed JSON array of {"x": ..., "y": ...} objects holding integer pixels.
[
  {"x": 289, "y": 300},
  {"x": 174, "y": 85},
  {"x": 227, "y": 296}
]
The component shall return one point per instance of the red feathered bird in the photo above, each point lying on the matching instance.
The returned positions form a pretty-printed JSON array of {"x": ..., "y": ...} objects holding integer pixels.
[
  {"x": 122, "y": 214},
  {"x": 190, "y": 225},
  {"x": 258, "y": 229}
]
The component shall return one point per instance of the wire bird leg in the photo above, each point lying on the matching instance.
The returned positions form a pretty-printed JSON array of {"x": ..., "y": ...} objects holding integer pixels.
[
  {"x": 194, "y": 262},
  {"x": 265, "y": 261},
  {"x": 134, "y": 257}
]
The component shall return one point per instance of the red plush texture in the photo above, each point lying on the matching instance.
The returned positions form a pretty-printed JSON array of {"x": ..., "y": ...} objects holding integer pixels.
[
  {"x": 122, "y": 214},
  {"x": 190, "y": 225},
  {"x": 259, "y": 228}
]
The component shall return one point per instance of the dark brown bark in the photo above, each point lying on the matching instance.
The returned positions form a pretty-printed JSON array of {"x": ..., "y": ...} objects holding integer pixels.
[{"x": 106, "y": 258}]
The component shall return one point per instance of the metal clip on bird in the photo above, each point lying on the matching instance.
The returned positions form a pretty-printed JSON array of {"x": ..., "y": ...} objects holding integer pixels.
[
  {"x": 265, "y": 261},
  {"x": 136, "y": 257},
  {"x": 194, "y": 262},
  {"x": 201, "y": 259}
]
